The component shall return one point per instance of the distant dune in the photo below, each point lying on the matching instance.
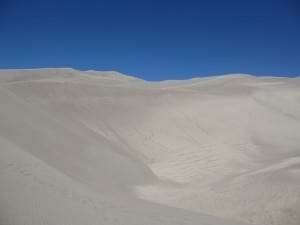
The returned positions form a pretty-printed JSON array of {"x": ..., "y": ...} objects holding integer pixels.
[{"x": 89, "y": 147}]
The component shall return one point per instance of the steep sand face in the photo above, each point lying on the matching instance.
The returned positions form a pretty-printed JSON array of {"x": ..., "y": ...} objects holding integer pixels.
[{"x": 104, "y": 148}]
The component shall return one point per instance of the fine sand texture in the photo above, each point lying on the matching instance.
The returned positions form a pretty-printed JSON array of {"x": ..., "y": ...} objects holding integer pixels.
[{"x": 103, "y": 148}]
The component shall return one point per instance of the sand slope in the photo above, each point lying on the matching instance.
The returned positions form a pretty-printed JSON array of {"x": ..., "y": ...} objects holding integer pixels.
[{"x": 104, "y": 148}]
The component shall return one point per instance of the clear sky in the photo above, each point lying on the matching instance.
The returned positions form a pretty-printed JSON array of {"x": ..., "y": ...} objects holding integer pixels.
[{"x": 153, "y": 39}]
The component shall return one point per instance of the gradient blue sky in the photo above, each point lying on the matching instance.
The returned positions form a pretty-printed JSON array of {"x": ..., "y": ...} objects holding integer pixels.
[{"x": 154, "y": 40}]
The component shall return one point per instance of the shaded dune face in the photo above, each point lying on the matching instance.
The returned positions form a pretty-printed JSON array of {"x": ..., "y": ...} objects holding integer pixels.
[{"x": 104, "y": 148}]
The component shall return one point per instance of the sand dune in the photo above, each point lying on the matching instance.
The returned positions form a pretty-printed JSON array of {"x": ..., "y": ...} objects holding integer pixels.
[{"x": 89, "y": 147}]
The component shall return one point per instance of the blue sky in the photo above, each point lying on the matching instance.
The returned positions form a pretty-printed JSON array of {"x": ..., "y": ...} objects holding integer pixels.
[{"x": 154, "y": 40}]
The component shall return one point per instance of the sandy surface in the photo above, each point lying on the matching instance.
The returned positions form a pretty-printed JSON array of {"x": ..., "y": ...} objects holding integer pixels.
[{"x": 104, "y": 148}]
